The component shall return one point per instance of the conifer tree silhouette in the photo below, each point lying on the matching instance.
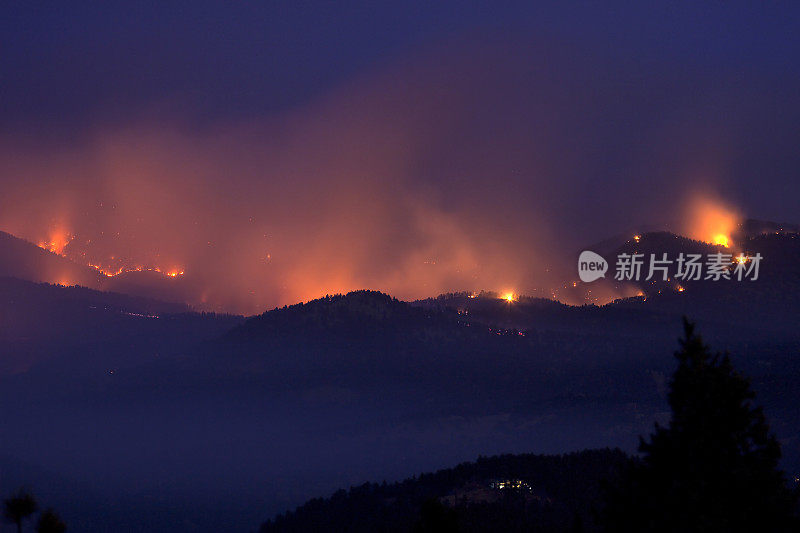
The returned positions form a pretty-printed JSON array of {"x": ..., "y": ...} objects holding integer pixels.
[
  {"x": 18, "y": 507},
  {"x": 715, "y": 466}
]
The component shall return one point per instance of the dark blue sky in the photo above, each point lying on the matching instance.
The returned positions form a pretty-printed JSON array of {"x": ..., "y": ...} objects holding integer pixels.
[{"x": 67, "y": 65}]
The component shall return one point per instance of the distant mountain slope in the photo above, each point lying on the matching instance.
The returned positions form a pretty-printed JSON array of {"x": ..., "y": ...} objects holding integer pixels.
[
  {"x": 767, "y": 305},
  {"x": 362, "y": 384},
  {"x": 556, "y": 493},
  {"x": 356, "y": 315},
  {"x": 779, "y": 268},
  {"x": 748, "y": 229},
  {"x": 438, "y": 361},
  {"x": 753, "y": 227},
  {"x": 367, "y": 339},
  {"x": 24, "y": 260},
  {"x": 39, "y": 322},
  {"x": 20, "y": 298},
  {"x": 155, "y": 285}
]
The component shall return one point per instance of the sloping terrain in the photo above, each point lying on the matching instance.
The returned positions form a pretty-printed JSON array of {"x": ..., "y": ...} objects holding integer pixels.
[
  {"x": 301, "y": 400},
  {"x": 524, "y": 492}
]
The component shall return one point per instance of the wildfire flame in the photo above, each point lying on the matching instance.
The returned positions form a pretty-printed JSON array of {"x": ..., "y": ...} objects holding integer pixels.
[
  {"x": 509, "y": 297},
  {"x": 59, "y": 239},
  {"x": 711, "y": 221}
]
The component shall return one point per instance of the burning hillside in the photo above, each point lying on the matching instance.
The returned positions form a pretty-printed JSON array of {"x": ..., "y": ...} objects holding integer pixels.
[
  {"x": 712, "y": 221},
  {"x": 89, "y": 252}
]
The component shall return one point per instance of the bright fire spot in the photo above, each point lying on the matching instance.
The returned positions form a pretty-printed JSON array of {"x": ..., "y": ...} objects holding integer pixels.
[
  {"x": 680, "y": 289},
  {"x": 741, "y": 259},
  {"x": 122, "y": 270},
  {"x": 711, "y": 221},
  {"x": 637, "y": 237},
  {"x": 57, "y": 240},
  {"x": 509, "y": 297}
]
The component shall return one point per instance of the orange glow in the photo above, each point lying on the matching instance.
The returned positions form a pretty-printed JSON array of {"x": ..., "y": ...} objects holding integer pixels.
[
  {"x": 57, "y": 240},
  {"x": 711, "y": 221},
  {"x": 121, "y": 270},
  {"x": 680, "y": 289},
  {"x": 741, "y": 259},
  {"x": 509, "y": 297},
  {"x": 721, "y": 240},
  {"x": 637, "y": 237}
]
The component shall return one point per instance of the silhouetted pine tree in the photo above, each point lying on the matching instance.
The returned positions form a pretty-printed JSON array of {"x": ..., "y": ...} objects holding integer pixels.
[
  {"x": 715, "y": 466},
  {"x": 18, "y": 507},
  {"x": 436, "y": 518},
  {"x": 50, "y": 522}
]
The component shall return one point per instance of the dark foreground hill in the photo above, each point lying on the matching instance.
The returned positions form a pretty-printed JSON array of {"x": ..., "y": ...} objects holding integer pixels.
[
  {"x": 713, "y": 467},
  {"x": 381, "y": 351},
  {"x": 214, "y": 423},
  {"x": 506, "y": 493}
]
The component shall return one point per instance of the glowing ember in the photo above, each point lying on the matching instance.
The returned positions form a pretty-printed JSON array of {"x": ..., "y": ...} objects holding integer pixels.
[
  {"x": 637, "y": 237},
  {"x": 711, "y": 221},
  {"x": 741, "y": 259},
  {"x": 509, "y": 297},
  {"x": 721, "y": 240},
  {"x": 680, "y": 289},
  {"x": 57, "y": 240}
]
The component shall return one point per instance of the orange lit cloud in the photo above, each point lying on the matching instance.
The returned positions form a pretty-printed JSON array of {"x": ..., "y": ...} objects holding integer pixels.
[
  {"x": 710, "y": 220},
  {"x": 463, "y": 168}
]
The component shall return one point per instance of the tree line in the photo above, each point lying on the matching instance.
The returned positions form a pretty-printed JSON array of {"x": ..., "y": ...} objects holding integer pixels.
[
  {"x": 21, "y": 506},
  {"x": 713, "y": 468}
]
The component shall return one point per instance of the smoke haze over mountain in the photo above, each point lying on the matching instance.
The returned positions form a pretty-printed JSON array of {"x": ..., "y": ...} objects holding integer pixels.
[{"x": 480, "y": 162}]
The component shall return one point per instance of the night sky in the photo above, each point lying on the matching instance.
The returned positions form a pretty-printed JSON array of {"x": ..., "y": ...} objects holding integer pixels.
[{"x": 281, "y": 151}]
